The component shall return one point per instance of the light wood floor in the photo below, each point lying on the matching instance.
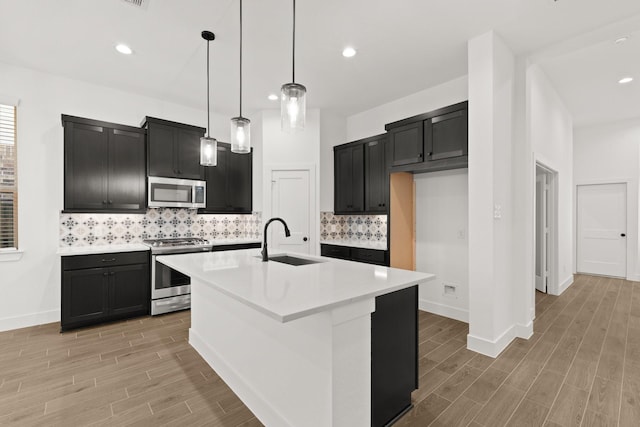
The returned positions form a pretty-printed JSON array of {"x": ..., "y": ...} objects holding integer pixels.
[{"x": 581, "y": 367}]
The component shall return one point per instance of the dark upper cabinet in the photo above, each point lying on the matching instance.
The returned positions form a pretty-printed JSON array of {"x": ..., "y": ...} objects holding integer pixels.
[
  {"x": 102, "y": 287},
  {"x": 376, "y": 176},
  {"x": 430, "y": 142},
  {"x": 445, "y": 136},
  {"x": 173, "y": 149},
  {"x": 229, "y": 183},
  {"x": 349, "y": 178},
  {"x": 407, "y": 144},
  {"x": 104, "y": 166}
]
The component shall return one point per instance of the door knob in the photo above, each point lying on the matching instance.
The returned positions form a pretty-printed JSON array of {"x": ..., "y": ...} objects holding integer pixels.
[
  {"x": 304, "y": 239},
  {"x": 622, "y": 235}
]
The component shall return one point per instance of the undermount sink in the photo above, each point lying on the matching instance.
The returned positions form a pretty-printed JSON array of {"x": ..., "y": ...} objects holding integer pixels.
[{"x": 292, "y": 260}]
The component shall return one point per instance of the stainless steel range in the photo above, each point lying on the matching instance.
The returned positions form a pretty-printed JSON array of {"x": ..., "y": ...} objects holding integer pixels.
[{"x": 170, "y": 289}]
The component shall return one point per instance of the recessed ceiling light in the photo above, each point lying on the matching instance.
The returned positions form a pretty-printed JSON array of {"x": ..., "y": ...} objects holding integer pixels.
[
  {"x": 349, "y": 52},
  {"x": 622, "y": 39},
  {"x": 124, "y": 49},
  {"x": 625, "y": 80},
  {"x": 273, "y": 97}
]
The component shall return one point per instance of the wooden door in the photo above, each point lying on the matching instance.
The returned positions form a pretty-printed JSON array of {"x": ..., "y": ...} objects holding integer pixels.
[
  {"x": 239, "y": 182},
  {"x": 84, "y": 295},
  {"x": 407, "y": 144},
  {"x": 291, "y": 200},
  {"x": 188, "y": 154},
  {"x": 446, "y": 136},
  {"x": 376, "y": 177},
  {"x": 162, "y": 150},
  {"x": 127, "y": 177},
  {"x": 129, "y": 289},
  {"x": 217, "y": 182}
]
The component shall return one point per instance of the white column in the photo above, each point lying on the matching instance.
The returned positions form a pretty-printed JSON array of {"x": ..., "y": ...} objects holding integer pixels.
[{"x": 491, "y": 293}]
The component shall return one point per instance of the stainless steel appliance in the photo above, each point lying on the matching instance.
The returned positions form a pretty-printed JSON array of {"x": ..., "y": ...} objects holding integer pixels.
[
  {"x": 176, "y": 193},
  {"x": 170, "y": 289}
]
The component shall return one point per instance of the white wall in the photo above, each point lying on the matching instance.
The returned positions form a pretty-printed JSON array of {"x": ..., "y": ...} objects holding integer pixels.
[
  {"x": 611, "y": 153},
  {"x": 31, "y": 286},
  {"x": 441, "y": 241},
  {"x": 371, "y": 122},
  {"x": 550, "y": 131},
  {"x": 333, "y": 131}
]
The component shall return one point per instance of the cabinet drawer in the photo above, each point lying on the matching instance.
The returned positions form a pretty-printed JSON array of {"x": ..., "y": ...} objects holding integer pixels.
[
  {"x": 335, "y": 251},
  {"x": 371, "y": 256},
  {"x": 78, "y": 262}
]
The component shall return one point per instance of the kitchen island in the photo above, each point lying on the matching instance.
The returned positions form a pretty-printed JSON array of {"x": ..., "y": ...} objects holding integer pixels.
[{"x": 295, "y": 342}]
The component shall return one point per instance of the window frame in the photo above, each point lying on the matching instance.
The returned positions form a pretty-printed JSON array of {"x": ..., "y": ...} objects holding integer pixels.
[{"x": 13, "y": 188}]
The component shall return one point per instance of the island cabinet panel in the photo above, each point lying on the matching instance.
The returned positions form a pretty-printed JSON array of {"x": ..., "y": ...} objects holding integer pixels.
[
  {"x": 173, "y": 149},
  {"x": 229, "y": 184},
  {"x": 394, "y": 354},
  {"x": 349, "y": 178},
  {"x": 103, "y": 287},
  {"x": 104, "y": 166}
]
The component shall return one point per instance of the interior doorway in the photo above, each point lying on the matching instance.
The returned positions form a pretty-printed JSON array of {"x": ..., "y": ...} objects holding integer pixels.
[
  {"x": 292, "y": 198},
  {"x": 601, "y": 222},
  {"x": 546, "y": 213}
]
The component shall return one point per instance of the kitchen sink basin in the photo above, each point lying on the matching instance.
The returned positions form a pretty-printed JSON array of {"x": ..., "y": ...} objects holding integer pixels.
[{"x": 291, "y": 260}]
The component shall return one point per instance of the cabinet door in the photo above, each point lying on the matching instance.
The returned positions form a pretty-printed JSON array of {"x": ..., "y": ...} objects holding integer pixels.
[
  {"x": 161, "y": 150},
  {"x": 85, "y": 167},
  {"x": 217, "y": 182},
  {"x": 349, "y": 179},
  {"x": 84, "y": 296},
  {"x": 126, "y": 178},
  {"x": 394, "y": 354},
  {"x": 188, "y": 154},
  {"x": 239, "y": 182},
  {"x": 129, "y": 289},
  {"x": 376, "y": 177},
  {"x": 407, "y": 144},
  {"x": 446, "y": 135}
]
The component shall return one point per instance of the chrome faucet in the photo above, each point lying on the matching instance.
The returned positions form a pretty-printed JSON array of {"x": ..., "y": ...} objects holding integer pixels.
[{"x": 287, "y": 233}]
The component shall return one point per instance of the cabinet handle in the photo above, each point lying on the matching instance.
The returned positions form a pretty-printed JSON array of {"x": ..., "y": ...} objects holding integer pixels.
[
  {"x": 104, "y": 202},
  {"x": 105, "y": 274},
  {"x": 112, "y": 273},
  {"x": 110, "y": 202},
  {"x": 108, "y": 260},
  {"x": 420, "y": 155},
  {"x": 304, "y": 239}
]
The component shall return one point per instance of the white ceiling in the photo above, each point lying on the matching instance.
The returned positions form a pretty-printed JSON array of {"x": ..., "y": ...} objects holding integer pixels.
[{"x": 403, "y": 45}]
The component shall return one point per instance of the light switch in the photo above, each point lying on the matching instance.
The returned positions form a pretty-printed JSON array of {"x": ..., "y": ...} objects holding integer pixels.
[{"x": 497, "y": 211}]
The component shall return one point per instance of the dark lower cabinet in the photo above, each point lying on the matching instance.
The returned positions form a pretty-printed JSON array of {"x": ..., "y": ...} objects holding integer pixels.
[
  {"x": 394, "y": 355},
  {"x": 102, "y": 287},
  {"x": 350, "y": 253}
]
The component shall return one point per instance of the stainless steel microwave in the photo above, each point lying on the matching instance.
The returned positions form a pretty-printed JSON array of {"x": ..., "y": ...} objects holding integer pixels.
[{"x": 176, "y": 193}]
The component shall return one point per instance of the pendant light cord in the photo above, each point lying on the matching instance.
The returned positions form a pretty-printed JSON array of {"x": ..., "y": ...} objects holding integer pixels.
[
  {"x": 208, "y": 96},
  {"x": 240, "y": 58},
  {"x": 293, "y": 71}
]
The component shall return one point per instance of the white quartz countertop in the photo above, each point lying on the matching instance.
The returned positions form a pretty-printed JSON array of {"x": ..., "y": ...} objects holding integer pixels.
[
  {"x": 222, "y": 242},
  {"x": 285, "y": 292},
  {"x": 366, "y": 244},
  {"x": 101, "y": 249}
]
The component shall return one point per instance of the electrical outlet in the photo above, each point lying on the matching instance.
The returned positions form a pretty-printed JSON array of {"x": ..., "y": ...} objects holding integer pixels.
[
  {"x": 497, "y": 211},
  {"x": 449, "y": 290}
]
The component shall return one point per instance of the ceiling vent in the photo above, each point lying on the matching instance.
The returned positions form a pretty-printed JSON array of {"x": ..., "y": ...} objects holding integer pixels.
[{"x": 142, "y": 4}]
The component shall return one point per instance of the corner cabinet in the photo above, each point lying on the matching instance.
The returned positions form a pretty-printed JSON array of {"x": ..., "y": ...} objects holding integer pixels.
[
  {"x": 361, "y": 178},
  {"x": 104, "y": 166},
  {"x": 174, "y": 149},
  {"x": 104, "y": 287},
  {"x": 429, "y": 142},
  {"x": 230, "y": 182}
]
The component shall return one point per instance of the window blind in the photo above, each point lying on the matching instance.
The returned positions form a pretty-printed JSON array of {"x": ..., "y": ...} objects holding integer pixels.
[{"x": 8, "y": 178}]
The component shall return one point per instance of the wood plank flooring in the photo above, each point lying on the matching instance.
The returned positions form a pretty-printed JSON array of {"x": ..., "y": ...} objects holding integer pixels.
[{"x": 581, "y": 367}]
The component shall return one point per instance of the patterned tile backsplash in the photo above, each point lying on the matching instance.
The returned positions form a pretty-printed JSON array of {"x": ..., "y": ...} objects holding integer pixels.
[
  {"x": 353, "y": 227},
  {"x": 107, "y": 229}
]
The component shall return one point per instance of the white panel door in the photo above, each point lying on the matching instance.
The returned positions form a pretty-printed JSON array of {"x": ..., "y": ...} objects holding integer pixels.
[
  {"x": 542, "y": 232},
  {"x": 601, "y": 224},
  {"x": 290, "y": 201}
]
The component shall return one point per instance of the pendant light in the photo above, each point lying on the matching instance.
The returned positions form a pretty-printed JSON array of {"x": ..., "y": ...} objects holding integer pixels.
[
  {"x": 240, "y": 126},
  {"x": 293, "y": 95},
  {"x": 208, "y": 145}
]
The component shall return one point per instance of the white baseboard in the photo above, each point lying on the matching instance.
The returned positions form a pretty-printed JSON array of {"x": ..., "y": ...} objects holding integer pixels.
[
  {"x": 491, "y": 348},
  {"x": 564, "y": 285},
  {"x": 33, "y": 319},
  {"x": 524, "y": 331},
  {"x": 258, "y": 405},
  {"x": 634, "y": 278},
  {"x": 444, "y": 310}
]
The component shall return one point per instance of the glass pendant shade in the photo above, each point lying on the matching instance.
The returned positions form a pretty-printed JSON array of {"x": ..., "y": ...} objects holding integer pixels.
[
  {"x": 240, "y": 135},
  {"x": 293, "y": 107},
  {"x": 208, "y": 151}
]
